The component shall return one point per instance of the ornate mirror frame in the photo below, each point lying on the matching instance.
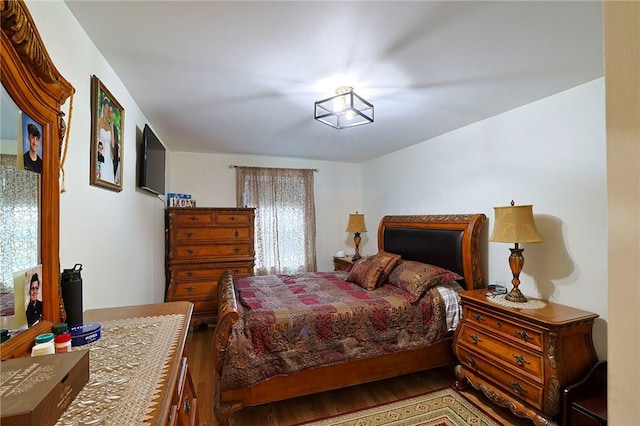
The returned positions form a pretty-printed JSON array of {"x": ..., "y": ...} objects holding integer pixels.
[{"x": 38, "y": 89}]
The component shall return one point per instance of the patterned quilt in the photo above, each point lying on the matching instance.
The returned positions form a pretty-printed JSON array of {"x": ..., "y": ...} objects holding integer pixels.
[{"x": 290, "y": 323}]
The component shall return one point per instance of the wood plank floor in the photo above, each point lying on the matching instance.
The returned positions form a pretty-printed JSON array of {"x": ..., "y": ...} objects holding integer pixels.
[{"x": 327, "y": 403}]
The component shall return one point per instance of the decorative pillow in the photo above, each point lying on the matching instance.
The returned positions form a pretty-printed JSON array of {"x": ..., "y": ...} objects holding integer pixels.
[
  {"x": 416, "y": 277},
  {"x": 368, "y": 271},
  {"x": 394, "y": 259}
]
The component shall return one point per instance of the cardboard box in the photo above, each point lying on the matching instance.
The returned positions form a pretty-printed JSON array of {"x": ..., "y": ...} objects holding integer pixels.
[{"x": 37, "y": 390}]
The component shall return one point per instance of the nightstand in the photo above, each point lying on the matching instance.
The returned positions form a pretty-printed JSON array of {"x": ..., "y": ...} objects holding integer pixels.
[
  {"x": 342, "y": 263},
  {"x": 522, "y": 358}
]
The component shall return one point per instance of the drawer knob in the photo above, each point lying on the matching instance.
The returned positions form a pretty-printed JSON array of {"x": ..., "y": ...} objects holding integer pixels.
[
  {"x": 193, "y": 218},
  {"x": 524, "y": 335},
  {"x": 189, "y": 251},
  {"x": 520, "y": 360},
  {"x": 499, "y": 324},
  {"x": 475, "y": 339},
  {"x": 189, "y": 273},
  {"x": 517, "y": 388},
  {"x": 232, "y": 218},
  {"x": 236, "y": 250},
  {"x": 478, "y": 317},
  {"x": 189, "y": 289},
  {"x": 189, "y": 234},
  {"x": 471, "y": 362},
  {"x": 236, "y": 234}
]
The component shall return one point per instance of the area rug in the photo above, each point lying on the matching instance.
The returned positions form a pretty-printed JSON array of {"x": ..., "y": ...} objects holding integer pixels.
[{"x": 444, "y": 407}]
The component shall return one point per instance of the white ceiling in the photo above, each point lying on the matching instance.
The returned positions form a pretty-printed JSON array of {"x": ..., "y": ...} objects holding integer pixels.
[{"x": 242, "y": 77}]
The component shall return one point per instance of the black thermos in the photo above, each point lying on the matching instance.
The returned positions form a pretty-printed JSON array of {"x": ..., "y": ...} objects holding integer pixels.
[{"x": 72, "y": 294}]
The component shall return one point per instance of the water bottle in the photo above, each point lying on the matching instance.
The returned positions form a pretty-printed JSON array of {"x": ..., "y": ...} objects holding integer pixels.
[{"x": 71, "y": 284}]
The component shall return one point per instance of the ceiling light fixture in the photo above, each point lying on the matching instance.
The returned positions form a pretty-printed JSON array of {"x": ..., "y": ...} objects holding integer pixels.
[{"x": 345, "y": 109}]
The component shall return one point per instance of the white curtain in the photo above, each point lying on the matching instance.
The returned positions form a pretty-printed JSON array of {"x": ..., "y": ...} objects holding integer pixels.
[{"x": 285, "y": 227}]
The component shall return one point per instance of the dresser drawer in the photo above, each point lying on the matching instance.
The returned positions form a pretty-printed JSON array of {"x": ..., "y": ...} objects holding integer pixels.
[
  {"x": 185, "y": 397},
  {"x": 517, "y": 332},
  {"x": 198, "y": 272},
  {"x": 527, "y": 362},
  {"x": 192, "y": 290},
  {"x": 204, "y": 252},
  {"x": 190, "y": 218},
  {"x": 234, "y": 219},
  {"x": 206, "y": 217},
  {"x": 189, "y": 234},
  {"x": 507, "y": 379},
  {"x": 205, "y": 307}
]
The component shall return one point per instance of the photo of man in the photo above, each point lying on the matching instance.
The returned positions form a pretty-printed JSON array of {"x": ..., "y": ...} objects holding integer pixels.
[
  {"x": 32, "y": 151},
  {"x": 34, "y": 302}
]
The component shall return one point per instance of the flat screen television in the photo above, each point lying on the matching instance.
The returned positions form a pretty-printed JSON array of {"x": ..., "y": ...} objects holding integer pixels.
[{"x": 152, "y": 166}]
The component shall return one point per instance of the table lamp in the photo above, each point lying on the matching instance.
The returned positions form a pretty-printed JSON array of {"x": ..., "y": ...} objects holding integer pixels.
[
  {"x": 514, "y": 224},
  {"x": 356, "y": 224}
]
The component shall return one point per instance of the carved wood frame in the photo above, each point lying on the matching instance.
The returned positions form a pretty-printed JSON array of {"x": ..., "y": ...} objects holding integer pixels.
[{"x": 38, "y": 89}]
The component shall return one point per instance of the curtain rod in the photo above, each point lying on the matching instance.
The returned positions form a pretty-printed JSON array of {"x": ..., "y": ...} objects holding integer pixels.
[{"x": 233, "y": 166}]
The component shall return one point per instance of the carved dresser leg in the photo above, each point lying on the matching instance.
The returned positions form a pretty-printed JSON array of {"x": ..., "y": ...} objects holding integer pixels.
[{"x": 461, "y": 380}]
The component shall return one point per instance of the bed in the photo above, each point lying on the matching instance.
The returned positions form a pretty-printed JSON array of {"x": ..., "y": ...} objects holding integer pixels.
[{"x": 449, "y": 241}]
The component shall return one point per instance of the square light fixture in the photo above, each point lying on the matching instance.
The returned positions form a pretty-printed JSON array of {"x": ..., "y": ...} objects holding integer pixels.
[{"x": 345, "y": 109}]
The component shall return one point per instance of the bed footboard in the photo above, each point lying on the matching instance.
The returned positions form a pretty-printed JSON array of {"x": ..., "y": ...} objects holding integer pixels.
[{"x": 227, "y": 315}]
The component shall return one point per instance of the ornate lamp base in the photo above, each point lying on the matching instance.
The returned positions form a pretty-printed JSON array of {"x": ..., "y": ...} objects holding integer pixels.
[
  {"x": 516, "y": 261},
  {"x": 356, "y": 240},
  {"x": 515, "y": 295}
]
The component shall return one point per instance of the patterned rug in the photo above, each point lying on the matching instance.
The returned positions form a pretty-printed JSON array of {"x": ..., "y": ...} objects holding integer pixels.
[{"x": 445, "y": 407}]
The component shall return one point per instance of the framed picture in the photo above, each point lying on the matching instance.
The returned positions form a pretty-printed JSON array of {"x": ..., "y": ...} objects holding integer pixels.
[
  {"x": 33, "y": 295},
  {"x": 107, "y": 141},
  {"x": 31, "y": 148}
]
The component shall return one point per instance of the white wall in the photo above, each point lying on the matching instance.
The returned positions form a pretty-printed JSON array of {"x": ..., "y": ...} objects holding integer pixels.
[
  {"x": 117, "y": 237},
  {"x": 210, "y": 180},
  {"x": 552, "y": 154}
]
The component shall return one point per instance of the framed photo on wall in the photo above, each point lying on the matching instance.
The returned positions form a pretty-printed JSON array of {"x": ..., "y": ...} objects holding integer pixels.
[{"x": 107, "y": 141}]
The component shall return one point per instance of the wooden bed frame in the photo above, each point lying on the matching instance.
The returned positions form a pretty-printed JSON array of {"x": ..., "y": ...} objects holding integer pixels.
[{"x": 449, "y": 241}]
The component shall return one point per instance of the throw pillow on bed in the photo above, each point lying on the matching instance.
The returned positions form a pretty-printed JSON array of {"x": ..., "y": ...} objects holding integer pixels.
[
  {"x": 368, "y": 272},
  {"x": 416, "y": 277}
]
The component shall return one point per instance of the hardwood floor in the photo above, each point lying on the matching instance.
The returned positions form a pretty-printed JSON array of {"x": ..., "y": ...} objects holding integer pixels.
[{"x": 327, "y": 403}]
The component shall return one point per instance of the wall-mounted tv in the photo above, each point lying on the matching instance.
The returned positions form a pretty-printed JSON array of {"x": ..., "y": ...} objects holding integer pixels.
[{"x": 152, "y": 165}]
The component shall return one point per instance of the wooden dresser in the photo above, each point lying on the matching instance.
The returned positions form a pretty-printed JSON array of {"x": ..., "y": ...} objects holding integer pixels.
[
  {"x": 175, "y": 400},
  {"x": 202, "y": 243},
  {"x": 523, "y": 358}
]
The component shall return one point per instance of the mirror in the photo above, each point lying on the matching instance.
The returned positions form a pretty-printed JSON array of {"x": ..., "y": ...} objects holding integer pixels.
[
  {"x": 19, "y": 221},
  {"x": 38, "y": 90}
]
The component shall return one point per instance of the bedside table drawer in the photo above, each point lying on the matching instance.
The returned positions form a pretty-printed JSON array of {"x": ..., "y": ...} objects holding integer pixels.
[
  {"x": 526, "y": 361},
  {"x": 517, "y": 332},
  {"x": 510, "y": 381}
]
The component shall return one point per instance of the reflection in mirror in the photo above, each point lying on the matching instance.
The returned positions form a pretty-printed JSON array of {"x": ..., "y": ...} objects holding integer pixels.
[{"x": 19, "y": 219}]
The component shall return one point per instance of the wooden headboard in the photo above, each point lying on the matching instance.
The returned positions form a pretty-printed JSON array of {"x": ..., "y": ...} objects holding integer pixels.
[{"x": 449, "y": 241}]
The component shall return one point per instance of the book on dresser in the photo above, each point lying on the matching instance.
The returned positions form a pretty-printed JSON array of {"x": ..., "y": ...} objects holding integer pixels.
[{"x": 203, "y": 243}]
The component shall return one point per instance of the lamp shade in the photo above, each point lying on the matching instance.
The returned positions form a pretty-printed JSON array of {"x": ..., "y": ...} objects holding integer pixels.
[
  {"x": 514, "y": 224},
  {"x": 356, "y": 223}
]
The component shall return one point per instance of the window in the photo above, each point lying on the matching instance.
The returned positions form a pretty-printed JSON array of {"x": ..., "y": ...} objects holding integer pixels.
[{"x": 285, "y": 227}]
